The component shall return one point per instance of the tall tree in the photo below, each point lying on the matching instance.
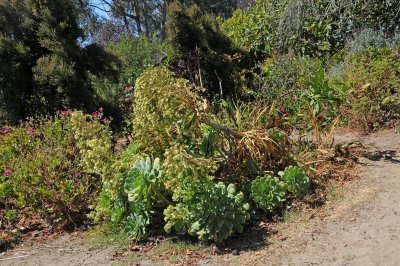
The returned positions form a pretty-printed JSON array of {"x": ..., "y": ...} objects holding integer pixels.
[
  {"x": 16, "y": 58},
  {"x": 44, "y": 64},
  {"x": 223, "y": 8},
  {"x": 150, "y": 16},
  {"x": 138, "y": 16}
]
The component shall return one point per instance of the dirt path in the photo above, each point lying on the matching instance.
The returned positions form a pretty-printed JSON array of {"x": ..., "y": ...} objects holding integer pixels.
[
  {"x": 362, "y": 228},
  {"x": 367, "y": 230},
  {"x": 66, "y": 250}
]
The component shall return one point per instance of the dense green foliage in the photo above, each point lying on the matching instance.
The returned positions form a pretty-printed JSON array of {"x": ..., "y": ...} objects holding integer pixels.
[
  {"x": 210, "y": 60},
  {"x": 43, "y": 67},
  {"x": 314, "y": 28},
  {"x": 373, "y": 79},
  {"x": 254, "y": 28},
  {"x": 45, "y": 168},
  {"x": 193, "y": 156}
]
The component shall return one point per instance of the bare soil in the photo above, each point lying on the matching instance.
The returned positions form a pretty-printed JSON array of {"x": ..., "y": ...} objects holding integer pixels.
[{"x": 360, "y": 225}]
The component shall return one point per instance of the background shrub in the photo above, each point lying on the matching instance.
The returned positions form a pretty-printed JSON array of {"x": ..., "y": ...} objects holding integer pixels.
[
  {"x": 373, "y": 78},
  {"x": 134, "y": 56},
  {"x": 301, "y": 89},
  {"x": 369, "y": 38},
  {"x": 203, "y": 54}
]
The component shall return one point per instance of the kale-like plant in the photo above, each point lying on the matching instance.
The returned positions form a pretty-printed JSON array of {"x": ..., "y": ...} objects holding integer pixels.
[
  {"x": 208, "y": 211},
  {"x": 296, "y": 181},
  {"x": 144, "y": 191},
  {"x": 268, "y": 193},
  {"x": 143, "y": 183},
  {"x": 137, "y": 221}
]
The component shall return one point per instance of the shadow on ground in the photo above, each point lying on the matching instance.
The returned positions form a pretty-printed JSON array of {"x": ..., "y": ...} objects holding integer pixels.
[{"x": 387, "y": 155}]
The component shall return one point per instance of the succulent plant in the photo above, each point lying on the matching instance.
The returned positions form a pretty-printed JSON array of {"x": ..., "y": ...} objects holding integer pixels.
[
  {"x": 210, "y": 212},
  {"x": 144, "y": 190},
  {"x": 143, "y": 180},
  {"x": 297, "y": 182},
  {"x": 268, "y": 193}
]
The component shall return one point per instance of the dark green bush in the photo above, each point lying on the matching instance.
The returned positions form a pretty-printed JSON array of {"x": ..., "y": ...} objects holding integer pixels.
[
  {"x": 45, "y": 59},
  {"x": 203, "y": 54}
]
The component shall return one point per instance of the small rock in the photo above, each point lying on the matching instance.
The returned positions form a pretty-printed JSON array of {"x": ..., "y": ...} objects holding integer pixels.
[{"x": 236, "y": 253}]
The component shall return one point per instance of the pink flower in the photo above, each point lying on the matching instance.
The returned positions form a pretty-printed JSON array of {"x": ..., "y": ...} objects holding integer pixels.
[
  {"x": 101, "y": 110},
  {"x": 5, "y": 130},
  {"x": 64, "y": 112},
  {"x": 7, "y": 173},
  {"x": 95, "y": 115},
  {"x": 30, "y": 131}
]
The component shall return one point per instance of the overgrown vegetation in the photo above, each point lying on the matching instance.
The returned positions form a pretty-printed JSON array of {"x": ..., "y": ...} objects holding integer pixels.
[
  {"x": 52, "y": 165},
  {"x": 216, "y": 122}
]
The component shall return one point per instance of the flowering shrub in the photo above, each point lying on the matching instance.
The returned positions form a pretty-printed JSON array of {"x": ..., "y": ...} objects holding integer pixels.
[{"x": 49, "y": 165}]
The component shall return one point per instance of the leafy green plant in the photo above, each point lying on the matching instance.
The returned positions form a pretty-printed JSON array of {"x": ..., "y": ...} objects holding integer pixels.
[
  {"x": 159, "y": 109},
  {"x": 253, "y": 29},
  {"x": 12, "y": 216},
  {"x": 195, "y": 148},
  {"x": 208, "y": 211},
  {"x": 142, "y": 194},
  {"x": 268, "y": 193},
  {"x": 45, "y": 170},
  {"x": 136, "y": 224},
  {"x": 144, "y": 182},
  {"x": 296, "y": 181}
]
